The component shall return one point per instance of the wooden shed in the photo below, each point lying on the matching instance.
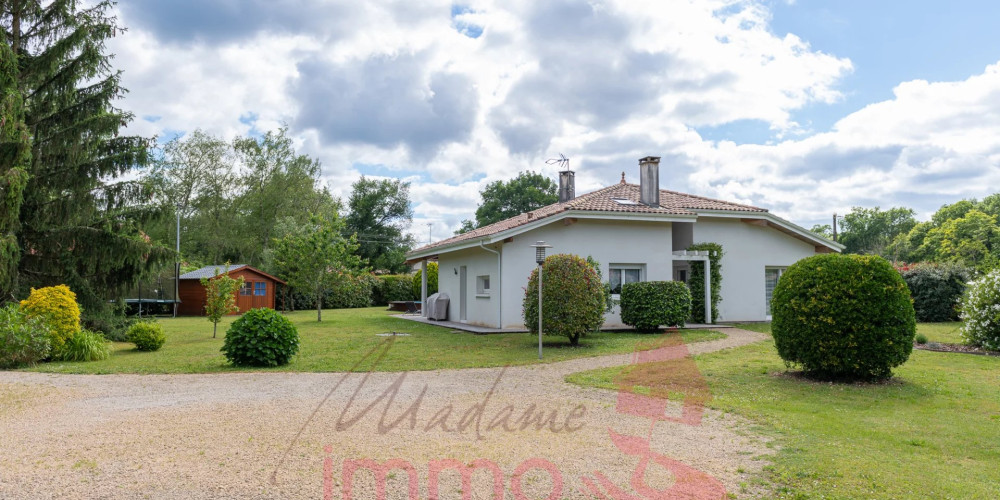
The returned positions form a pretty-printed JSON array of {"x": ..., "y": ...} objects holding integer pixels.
[{"x": 259, "y": 288}]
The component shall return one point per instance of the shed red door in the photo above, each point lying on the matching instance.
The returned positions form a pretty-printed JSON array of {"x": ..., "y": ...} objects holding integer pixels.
[{"x": 254, "y": 294}]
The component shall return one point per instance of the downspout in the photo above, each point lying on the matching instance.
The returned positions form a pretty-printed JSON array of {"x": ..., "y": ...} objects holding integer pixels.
[{"x": 499, "y": 288}]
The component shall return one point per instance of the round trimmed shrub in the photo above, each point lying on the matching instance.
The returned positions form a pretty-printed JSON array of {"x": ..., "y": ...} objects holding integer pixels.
[
  {"x": 146, "y": 336},
  {"x": 936, "y": 289},
  {"x": 843, "y": 317},
  {"x": 57, "y": 306},
  {"x": 23, "y": 340},
  {"x": 572, "y": 298},
  {"x": 646, "y": 305},
  {"x": 980, "y": 310},
  {"x": 261, "y": 337}
]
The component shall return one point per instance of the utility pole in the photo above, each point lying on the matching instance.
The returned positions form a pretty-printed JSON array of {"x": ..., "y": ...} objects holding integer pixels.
[
  {"x": 834, "y": 227},
  {"x": 429, "y": 239},
  {"x": 177, "y": 263}
]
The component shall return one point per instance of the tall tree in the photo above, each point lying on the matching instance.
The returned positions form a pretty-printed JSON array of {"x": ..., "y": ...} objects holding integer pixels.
[
  {"x": 379, "y": 213},
  {"x": 15, "y": 160},
  {"x": 872, "y": 230},
  {"x": 315, "y": 257},
  {"x": 505, "y": 199},
  {"x": 78, "y": 224},
  {"x": 276, "y": 182}
]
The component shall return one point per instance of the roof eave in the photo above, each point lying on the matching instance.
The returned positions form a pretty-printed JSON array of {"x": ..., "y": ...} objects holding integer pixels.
[
  {"x": 801, "y": 231},
  {"x": 433, "y": 251}
]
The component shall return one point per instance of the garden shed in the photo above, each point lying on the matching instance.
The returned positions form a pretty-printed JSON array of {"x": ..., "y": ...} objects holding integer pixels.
[{"x": 259, "y": 288}]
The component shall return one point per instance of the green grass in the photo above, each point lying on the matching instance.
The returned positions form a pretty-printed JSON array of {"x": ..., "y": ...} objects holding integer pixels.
[
  {"x": 941, "y": 332},
  {"x": 931, "y": 432},
  {"x": 346, "y": 335}
]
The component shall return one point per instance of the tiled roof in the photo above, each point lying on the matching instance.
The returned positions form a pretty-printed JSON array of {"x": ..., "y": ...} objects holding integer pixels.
[
  {"x": 603, "y": 200},
  {"x": 210, "y": 271}
]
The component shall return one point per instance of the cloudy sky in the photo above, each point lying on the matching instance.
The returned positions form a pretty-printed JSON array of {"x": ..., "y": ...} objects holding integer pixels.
[{"x": 805, "y": 107}]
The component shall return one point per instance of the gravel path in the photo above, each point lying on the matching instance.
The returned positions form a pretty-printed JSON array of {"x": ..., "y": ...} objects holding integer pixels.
[{"x": 274, "y": 435}]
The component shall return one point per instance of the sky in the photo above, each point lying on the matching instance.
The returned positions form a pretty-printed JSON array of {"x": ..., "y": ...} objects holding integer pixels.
[{"x": 805, "y": 107}]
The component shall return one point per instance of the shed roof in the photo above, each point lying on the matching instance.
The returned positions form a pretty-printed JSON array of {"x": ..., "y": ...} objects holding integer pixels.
[{"x": 215, "y": 270}]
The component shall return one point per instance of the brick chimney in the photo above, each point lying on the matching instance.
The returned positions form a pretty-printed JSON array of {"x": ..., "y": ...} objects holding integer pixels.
[
  {"x": 649, "y": 181},
  {"x": 567, "y": 186}
]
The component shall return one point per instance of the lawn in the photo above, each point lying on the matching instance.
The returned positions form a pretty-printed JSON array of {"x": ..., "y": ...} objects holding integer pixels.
[
  {"x": 931, "y": 432},
  {"x": 346, "y": 335}
]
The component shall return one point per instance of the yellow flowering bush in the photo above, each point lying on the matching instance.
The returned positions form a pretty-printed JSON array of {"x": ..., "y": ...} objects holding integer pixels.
[{"x": 57, "y": 306}]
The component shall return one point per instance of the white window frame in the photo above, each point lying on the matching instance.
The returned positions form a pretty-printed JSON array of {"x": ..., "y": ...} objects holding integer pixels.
[
  {"x": 626, "y": 267},
  {"x": 767, "y": 302},
  {"x": 483, "y": 286}
]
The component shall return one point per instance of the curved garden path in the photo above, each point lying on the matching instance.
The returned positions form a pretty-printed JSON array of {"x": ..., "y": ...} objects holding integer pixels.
[{"x": 269, "y": 435}]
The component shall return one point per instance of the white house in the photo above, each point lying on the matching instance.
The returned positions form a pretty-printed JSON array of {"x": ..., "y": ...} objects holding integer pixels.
[{"x": 637, "y": 233}]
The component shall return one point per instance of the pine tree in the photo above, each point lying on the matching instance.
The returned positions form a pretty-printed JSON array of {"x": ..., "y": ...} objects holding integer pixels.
[
  {"x": 78, "y": 225},
  {"x": 15, "y": 159}
]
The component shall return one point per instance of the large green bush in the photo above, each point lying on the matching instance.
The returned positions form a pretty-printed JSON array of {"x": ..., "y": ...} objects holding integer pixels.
[
  {"x": 696, "y": 282},
  {"x": 146, "y": 336},
  {"x": 261, "y": 337},
  {"x": 23, "y": 340},
  {"x": 348, "y": 291},
  {"x": 843, "y": 317},
  {"x": 936, "y": 289},
  {"x": 572, "y": 298},
  {"x": 391, "y": 288},
  {"x": 432, "y": 280},
  {"x": 84, "y": 345},
  {"x": 980, "y": 310},
  {"x": 647, "y": 305}
]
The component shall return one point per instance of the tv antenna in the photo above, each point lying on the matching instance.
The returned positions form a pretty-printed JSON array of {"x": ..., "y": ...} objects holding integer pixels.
[{"x": 561, "y": 162}]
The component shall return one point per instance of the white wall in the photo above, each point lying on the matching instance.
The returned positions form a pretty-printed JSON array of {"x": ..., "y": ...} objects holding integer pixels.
[
  {"x": 747, "y": 251},
  {"x": 619, "y": 242},
  {"x": 480, "y": 310}
]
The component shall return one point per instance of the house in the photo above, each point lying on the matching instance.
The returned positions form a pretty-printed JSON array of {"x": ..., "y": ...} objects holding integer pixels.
[
  {"x": 637, "y": 233},
  {"x": 258, "y": 288}
]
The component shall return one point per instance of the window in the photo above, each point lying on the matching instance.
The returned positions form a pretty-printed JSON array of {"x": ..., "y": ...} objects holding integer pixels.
[
  {"x": 621, "y": 274},
  {"x": 624, "y": 201},
  {"x": 483, "y": 285},
  {"x": 771, "y": 275},
  {"x": 246, "y": 288},
  {"x": 259, "y": 288}
]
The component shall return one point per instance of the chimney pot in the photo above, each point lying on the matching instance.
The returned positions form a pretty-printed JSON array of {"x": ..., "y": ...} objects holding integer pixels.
[
  {"x": 649, "y": 181},
  {"x": 567, "y": 186}
]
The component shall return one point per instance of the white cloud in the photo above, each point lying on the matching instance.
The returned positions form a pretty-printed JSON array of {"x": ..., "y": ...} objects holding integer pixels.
[{"x": 400, "y": 85}]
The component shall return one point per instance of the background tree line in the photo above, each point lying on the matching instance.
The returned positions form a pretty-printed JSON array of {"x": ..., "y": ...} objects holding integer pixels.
[{"x": 966, "y": 233}]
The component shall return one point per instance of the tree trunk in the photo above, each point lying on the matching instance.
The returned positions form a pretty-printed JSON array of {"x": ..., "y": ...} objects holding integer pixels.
[
  {"x": 319, "y": 307},
  {"x": 215, "y": 327}
]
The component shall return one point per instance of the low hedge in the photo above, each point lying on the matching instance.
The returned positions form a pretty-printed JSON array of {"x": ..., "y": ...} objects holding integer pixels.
[
  {"x": 647, "y": 305},
  {"x": 391, "y": 288}
]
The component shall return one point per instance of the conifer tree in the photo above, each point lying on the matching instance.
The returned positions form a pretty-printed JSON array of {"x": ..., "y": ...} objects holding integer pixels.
[
  {"x": 78, "y": 224},
  {"x": 15, "y": 159}
]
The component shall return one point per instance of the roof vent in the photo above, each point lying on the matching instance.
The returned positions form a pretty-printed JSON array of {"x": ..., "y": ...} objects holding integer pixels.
[{"x": 649, "y": 181}]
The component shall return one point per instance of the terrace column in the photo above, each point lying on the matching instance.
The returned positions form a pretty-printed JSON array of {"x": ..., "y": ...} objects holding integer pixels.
[{"x": 423, "y": 288}]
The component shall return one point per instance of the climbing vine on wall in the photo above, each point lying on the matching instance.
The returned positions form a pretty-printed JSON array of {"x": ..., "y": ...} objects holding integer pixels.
[{"x": 696, "y": 282}]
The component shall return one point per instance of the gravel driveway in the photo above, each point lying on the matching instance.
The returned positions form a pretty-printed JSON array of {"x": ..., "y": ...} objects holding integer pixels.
[{"x": 274, "y": 435}]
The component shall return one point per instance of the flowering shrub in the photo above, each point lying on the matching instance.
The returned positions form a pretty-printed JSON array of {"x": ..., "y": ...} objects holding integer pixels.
[
  {"x": 980, "y": 310},
  {"x": 572, "y": 298},
  {"x": 843, "y": 317},
  {"x": 57, "y": 306}
]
